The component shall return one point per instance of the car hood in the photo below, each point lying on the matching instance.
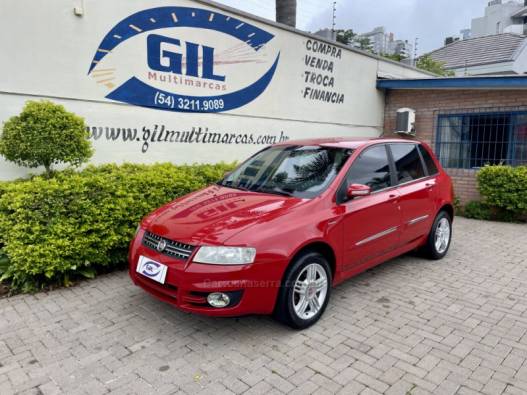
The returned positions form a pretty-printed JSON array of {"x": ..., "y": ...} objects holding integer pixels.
[{"x": 214, "y": 214}]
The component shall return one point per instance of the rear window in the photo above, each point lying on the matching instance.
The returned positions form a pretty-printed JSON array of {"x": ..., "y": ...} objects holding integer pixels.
[
  {"x": 407, "y": 162},
  {"x": 429, "y": 162}
]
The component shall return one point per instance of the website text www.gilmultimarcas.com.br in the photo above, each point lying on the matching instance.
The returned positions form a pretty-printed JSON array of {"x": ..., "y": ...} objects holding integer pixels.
[{"x": 197, "y": 135}]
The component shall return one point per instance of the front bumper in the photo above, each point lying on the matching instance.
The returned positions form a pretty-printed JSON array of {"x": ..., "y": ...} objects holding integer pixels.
[{"x": 187, "y": 284}]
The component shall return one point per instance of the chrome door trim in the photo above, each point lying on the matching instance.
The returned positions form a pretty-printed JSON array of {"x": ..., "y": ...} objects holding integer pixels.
[
  {"x": 377, "y": 236},
  {"x": 418, "y": 219},
  {"x": 403, "y": 184}
]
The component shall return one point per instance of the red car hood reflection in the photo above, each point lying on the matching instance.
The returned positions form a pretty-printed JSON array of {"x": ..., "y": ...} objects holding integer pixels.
[{"x": 214, "y": 214}]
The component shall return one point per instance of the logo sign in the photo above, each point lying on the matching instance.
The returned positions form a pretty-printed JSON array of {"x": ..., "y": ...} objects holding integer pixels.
[
  {"x": 161, "y": 246},
  {"x": 185, "y": 59},
  {"x": 151, "y": 269}
]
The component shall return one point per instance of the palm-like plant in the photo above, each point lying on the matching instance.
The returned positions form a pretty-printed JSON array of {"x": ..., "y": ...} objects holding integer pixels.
[
  {"x": 309, "y": 174},
  {"x": 286, "y": 12}
]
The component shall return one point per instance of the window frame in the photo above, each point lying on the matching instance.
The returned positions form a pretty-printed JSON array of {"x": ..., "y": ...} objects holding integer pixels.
[
  {"x": 393, "y": 171},
  {"x": 393, "y": 180},
  {"x": 421, "y": 148},
  {"x": 510, "y": 159},
  {"x": 421, "y": 159}
]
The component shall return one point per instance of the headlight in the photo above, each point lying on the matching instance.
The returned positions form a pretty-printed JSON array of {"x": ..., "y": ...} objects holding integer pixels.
[{"x": 225, "y": 255}]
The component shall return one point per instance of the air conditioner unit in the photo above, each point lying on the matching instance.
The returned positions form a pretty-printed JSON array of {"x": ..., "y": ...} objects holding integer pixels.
[{"x": 405, "y": 122}]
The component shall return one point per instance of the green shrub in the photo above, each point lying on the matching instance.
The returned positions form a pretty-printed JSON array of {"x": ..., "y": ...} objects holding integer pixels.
[
  {"x": 505, "y": 189},
  {"x": 78, "y": 223},
  {"x": 477, "y": 210},
  {"x": 45, "y": 134},
  {"x": 458, "y": 207},
  {"x": 4, "y": 262}
]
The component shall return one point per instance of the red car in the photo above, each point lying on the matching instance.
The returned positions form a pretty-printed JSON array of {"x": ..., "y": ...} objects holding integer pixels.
[{"x": 289, "y": 223}]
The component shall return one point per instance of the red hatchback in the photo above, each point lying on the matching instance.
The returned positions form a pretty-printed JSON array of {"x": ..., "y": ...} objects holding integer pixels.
[{"x": 289, "y": 223}]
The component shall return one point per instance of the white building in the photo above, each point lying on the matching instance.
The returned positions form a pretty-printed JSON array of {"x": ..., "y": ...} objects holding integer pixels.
[
  {"x": 328, "y": 34},
  {"x": 501, "y": 17},
  {"x": 465, "y": 34},
  {"x": 378, "y": 39},
  {"x": 384, "y": 43},
  {"x": 401, "y": 47},
  {"x": 188, "y": 81}
]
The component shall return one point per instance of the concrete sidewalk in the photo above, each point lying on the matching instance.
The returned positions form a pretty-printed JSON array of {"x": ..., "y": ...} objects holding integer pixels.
[{"x": 409, "y": 326}]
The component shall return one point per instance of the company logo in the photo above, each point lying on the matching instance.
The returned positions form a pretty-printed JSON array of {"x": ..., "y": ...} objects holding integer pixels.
[
  {"x": 151, "y": 269},
  {"x": 185, "y": 59},
  {"x": 161, "y": 245}
]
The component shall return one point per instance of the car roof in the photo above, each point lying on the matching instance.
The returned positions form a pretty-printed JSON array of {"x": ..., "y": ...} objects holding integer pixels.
[{"x": 343, "y": 142}]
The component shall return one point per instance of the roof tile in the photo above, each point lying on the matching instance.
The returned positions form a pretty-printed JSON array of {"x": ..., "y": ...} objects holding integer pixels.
[{"x": 497, "y": 48}]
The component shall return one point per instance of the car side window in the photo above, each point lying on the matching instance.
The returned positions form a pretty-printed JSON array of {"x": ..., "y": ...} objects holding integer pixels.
[
  {"x": 429, "y": 162},
  {"x": 408, "y": 164},
  {"x": 371, "y": 168}
]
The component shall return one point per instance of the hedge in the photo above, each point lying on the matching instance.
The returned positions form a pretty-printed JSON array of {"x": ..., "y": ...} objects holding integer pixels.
[
  {"x": 504, "y": 188},
  {"x": 79, "y": 223},
  {"x": 477, "y": 210}
]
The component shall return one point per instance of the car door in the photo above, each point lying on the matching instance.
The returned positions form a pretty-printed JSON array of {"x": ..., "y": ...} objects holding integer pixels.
[
  {"x": 415, "y": 189},
  {"x": 370, "y": 224}
]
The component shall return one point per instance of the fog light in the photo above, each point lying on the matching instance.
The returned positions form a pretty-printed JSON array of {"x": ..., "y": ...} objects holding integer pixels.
[{"x": 218, "y": 299}]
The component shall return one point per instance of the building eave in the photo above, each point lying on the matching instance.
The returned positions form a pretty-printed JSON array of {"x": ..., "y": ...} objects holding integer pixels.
[{"x": 466, "y": 83}]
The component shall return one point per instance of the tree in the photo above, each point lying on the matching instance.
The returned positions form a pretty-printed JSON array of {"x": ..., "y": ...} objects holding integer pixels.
[
  {"x": 345, "y": 37},
  {"x": 396, "y": 57},
  {"x": 364, "y": 43},
  {"x": 286, "y": 12},
  {"x": 45, "y": 134},
  {"x": 427, "y": 63}
]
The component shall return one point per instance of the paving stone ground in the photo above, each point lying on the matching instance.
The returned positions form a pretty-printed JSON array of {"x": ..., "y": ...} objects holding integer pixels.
[{"x": 409, "y": 326}]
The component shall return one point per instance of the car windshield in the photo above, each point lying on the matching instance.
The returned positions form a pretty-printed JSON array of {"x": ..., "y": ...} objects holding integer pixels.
[{"x": 298, "y": 171}]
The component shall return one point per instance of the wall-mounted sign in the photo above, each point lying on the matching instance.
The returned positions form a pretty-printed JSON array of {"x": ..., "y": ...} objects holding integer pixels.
[
  {"x": 230, "y": 84},
  {"x": 185, "y": 70}
]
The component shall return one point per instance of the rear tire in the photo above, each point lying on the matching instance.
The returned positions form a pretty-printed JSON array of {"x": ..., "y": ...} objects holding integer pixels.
[
  {"x": 439, "y": 238},
  {"x": 305, "y": 291}
]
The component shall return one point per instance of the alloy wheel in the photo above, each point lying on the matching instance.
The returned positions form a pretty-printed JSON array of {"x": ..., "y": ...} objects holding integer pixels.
[
  {"x": 310, "y": 291},
  {"x": 442, "y": 235}
]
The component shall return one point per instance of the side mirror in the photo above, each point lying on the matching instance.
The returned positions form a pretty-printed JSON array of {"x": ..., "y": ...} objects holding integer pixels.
[{"x": 356, "y": 190}]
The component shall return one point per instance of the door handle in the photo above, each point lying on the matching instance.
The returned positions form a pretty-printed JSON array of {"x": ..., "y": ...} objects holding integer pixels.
[
  {"x": 430, "y": 184},
  {"x": 393, "y": 196}
]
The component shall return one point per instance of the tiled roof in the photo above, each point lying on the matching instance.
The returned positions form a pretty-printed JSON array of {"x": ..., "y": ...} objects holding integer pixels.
[{"x": 481, "y": 50}]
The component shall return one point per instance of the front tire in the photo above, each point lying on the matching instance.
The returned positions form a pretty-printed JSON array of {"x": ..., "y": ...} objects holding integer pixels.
[
  {"x": 440, "y": 236},
  {"x": 305, "y": 291}
]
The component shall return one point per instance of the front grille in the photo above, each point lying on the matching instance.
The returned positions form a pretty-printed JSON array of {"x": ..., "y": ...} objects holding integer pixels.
[{"x": 173, "y": 249}]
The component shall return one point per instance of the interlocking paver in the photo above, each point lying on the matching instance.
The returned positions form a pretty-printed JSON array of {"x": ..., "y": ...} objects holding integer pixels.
[{"x": 408, "y": 326}]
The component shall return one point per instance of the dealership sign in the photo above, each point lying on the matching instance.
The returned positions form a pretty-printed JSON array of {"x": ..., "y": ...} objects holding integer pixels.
[{"x": 185, "y": 59}]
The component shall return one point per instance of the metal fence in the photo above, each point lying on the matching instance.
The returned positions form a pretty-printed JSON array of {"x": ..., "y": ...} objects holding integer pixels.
[{"x": 473, "y": 140}]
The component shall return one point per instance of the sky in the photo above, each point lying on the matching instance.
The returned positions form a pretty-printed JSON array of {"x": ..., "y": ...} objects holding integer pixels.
[{"x": 428, "y": 20}]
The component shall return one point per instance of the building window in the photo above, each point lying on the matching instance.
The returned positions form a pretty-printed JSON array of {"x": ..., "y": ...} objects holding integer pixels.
[{"x": 467, "y": 141}]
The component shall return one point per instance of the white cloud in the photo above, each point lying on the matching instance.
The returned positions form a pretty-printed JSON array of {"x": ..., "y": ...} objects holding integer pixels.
[{"x": 430, "y": 20}]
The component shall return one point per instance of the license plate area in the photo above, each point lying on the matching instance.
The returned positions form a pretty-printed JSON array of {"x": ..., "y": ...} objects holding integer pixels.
[{"x": 152, "y": 269}]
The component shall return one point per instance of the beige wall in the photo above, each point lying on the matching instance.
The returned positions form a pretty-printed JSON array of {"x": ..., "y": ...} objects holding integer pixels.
[{"x": 47, "y": 51}]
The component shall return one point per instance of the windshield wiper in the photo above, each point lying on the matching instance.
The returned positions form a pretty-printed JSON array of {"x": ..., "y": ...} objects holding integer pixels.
[
  {"x": 234, "y": 187},
  {"x": 270, "y": 191},
  {"x": 276, "y": 192}
]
